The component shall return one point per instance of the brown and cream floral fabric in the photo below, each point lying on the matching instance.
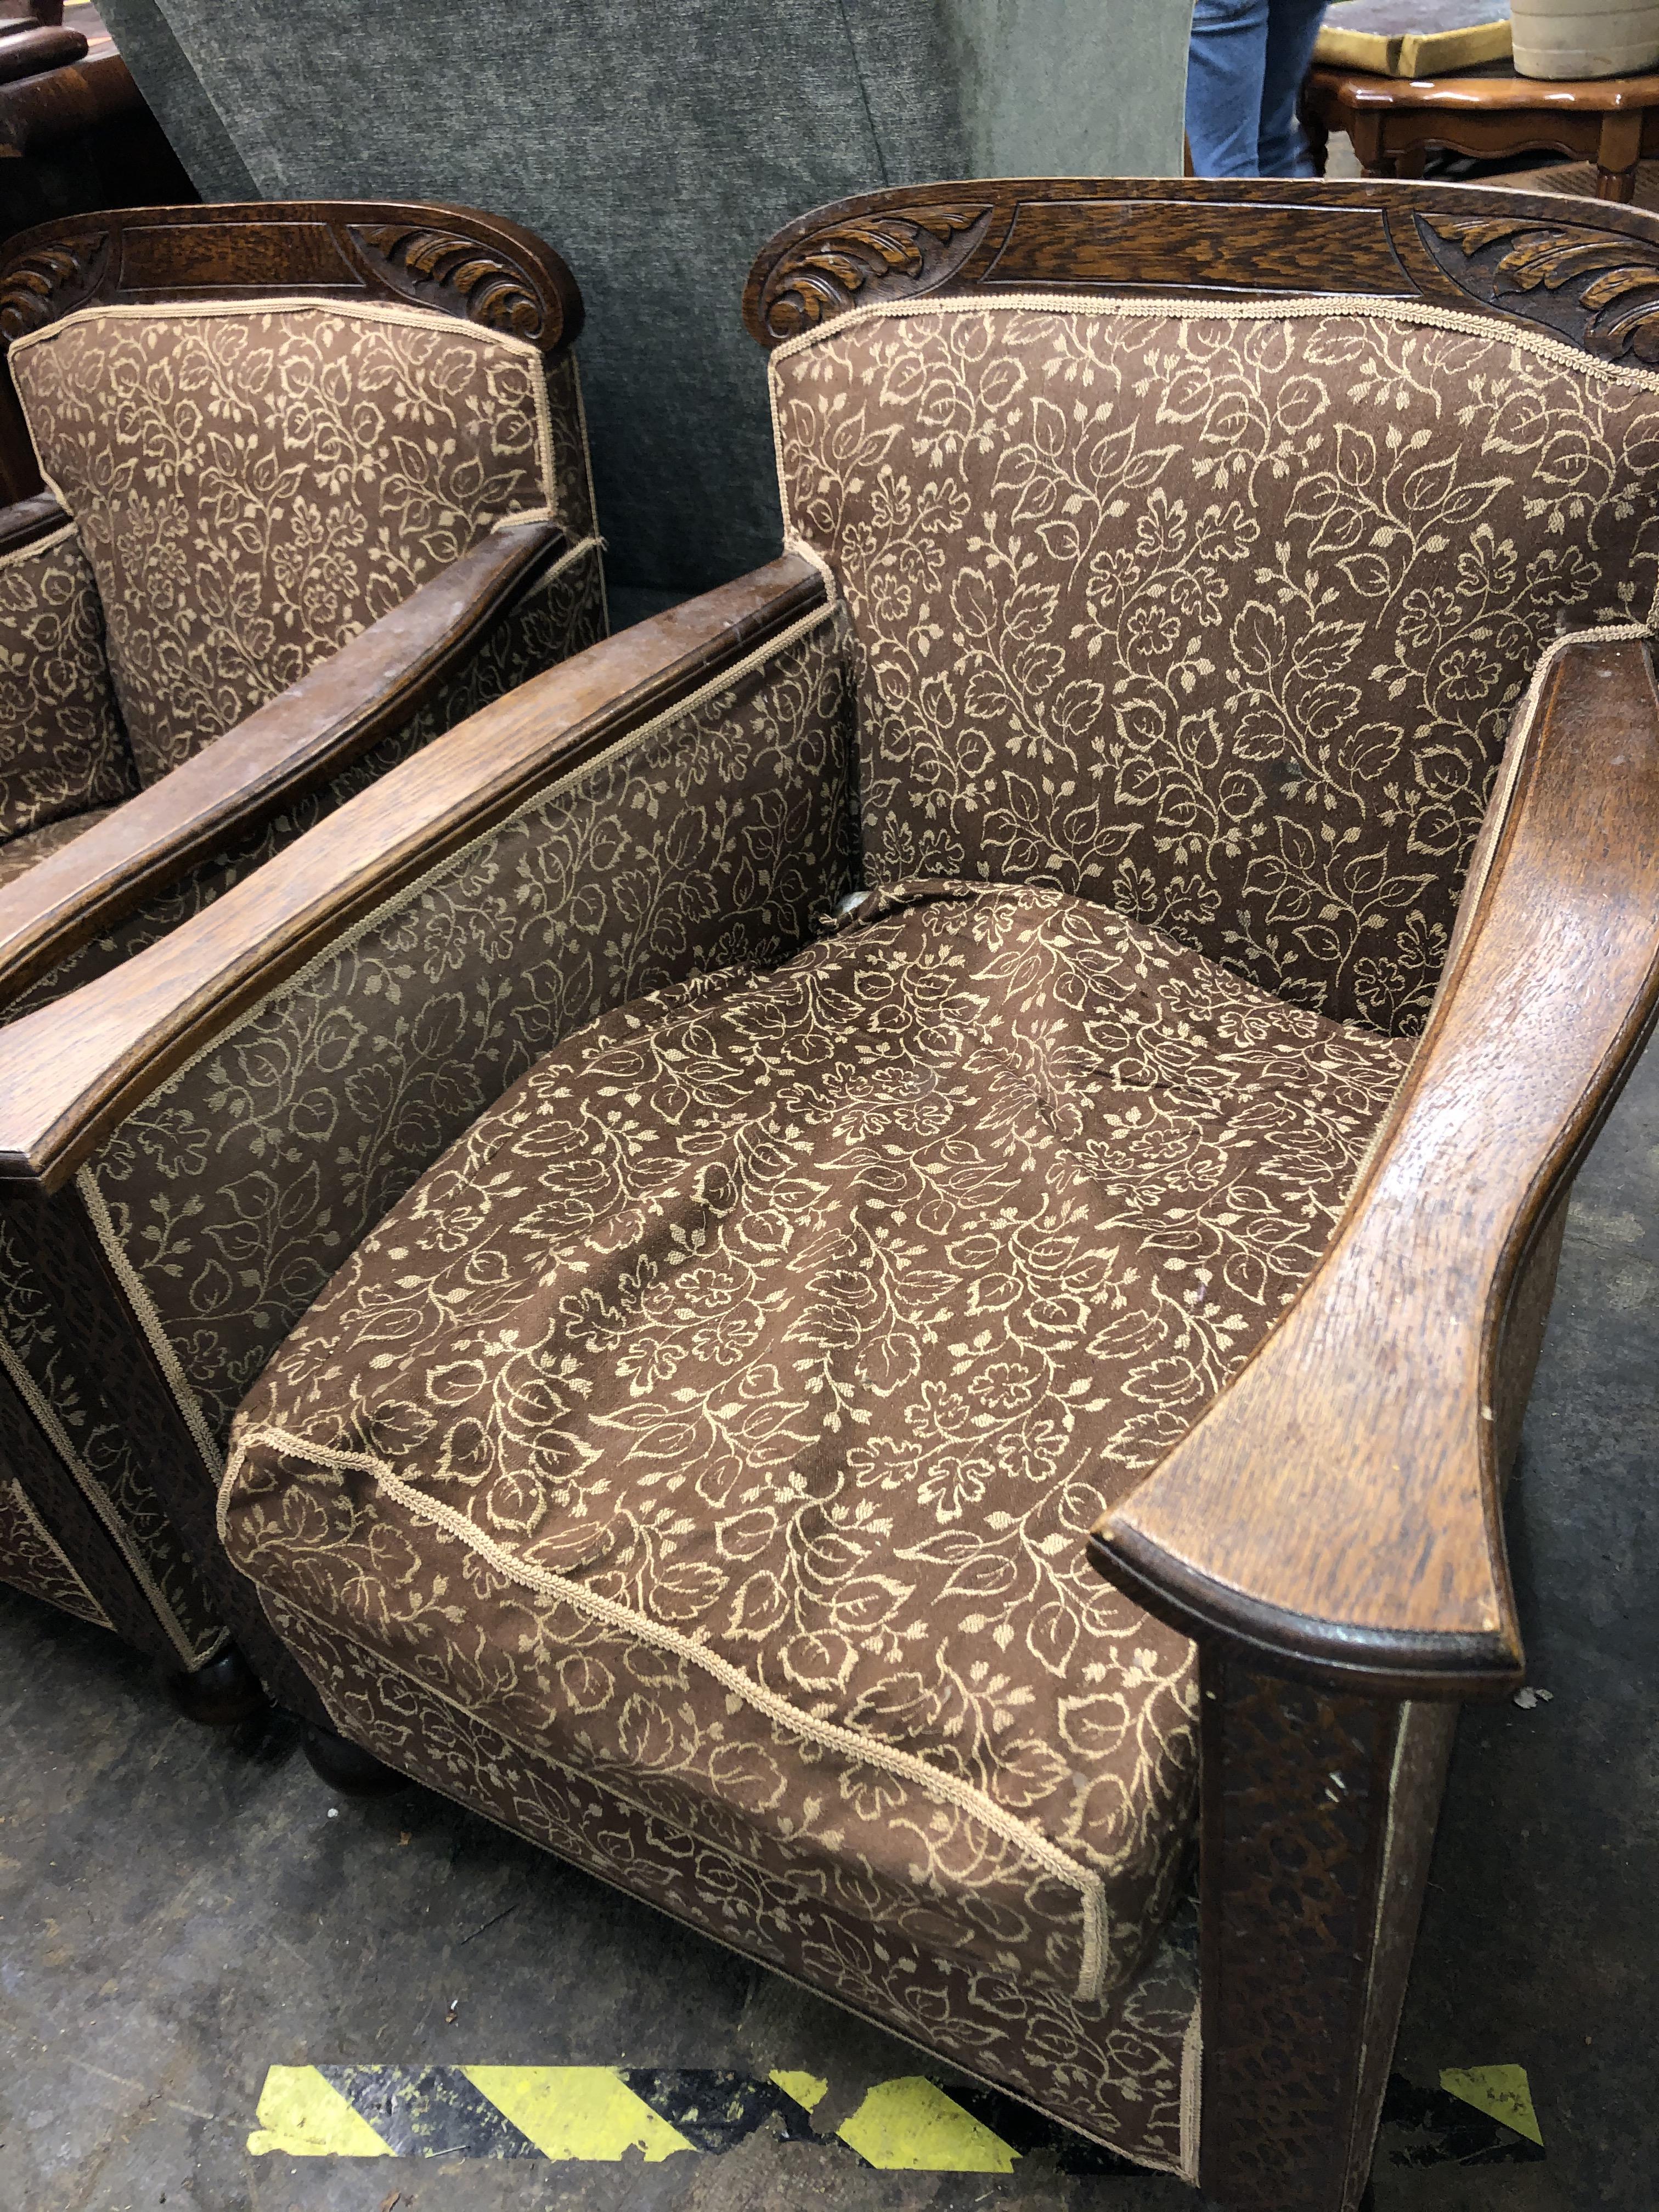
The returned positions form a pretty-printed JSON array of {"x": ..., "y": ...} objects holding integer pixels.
[
  {"x": 31, "y": 1560},
  {"x": 1123, "y": 2074},
  {"x": 38, "y": 1354},
  {"x": 255, "y": 484},
  {"x": 62, "y": 749},
  {"x": 1217, "y": 615},
  {"x": 235, "y": 1191},
  {"x": 18, "y": 855},
  {"x": 757, "y": 1367},
  {"x": 563, "y": 615}
]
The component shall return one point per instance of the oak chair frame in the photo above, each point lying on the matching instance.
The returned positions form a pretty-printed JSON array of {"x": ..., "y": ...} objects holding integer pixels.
[{"x": 1330, "y": 1531}]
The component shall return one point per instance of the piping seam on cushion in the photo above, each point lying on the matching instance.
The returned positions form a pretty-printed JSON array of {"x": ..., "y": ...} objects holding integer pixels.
[
  {"x": 50, "y": 543},
  {"x": 339, "y": 1713},
  {"x": 1089, "y": 1885}
]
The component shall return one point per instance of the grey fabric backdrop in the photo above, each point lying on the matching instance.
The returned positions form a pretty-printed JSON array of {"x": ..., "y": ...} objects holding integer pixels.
[{"x": 657, "y": 144}]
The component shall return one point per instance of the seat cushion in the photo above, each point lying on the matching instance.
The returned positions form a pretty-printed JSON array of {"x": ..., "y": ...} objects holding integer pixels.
[
  {"x": 724, "y": 1415},
  {"x": 62, "y": 747},
  {"x": 18, "y": 855},
  {"x": 256, "y": 484}
]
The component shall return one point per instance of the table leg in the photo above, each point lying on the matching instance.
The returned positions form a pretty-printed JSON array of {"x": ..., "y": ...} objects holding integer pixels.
[
  {"x": 1616, "y": 155},
  {"x": 1366, "y": 132}
]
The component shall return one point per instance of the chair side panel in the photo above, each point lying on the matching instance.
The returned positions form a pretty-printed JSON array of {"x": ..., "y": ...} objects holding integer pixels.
[{"x": 234, "y": 1192}]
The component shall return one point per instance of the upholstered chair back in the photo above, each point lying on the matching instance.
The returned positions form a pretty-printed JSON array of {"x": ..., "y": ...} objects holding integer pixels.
[
  {"x": 255, "y": 483},
  {"x": 1217, "y": 614},
  {"x": 62, "y": 750}
]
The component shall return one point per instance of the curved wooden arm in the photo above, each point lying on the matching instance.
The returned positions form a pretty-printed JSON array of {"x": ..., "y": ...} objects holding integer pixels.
[
  {"x": 1337, "y": 1507},
  {"x": 301, "y": 739},
  {"x": 70, "y": 1071}
]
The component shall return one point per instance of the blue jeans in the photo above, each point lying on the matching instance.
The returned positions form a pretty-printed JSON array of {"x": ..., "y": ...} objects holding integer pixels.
[{"x": 1244, "y": 71}]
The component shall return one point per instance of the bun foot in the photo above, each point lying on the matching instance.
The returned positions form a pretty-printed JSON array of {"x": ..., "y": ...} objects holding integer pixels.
[
  {"x": 223, "y": 1694},
  {"x": 347, "y": 1767}
]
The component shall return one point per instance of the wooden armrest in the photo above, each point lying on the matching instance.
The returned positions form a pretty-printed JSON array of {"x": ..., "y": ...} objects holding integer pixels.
[
  {"x": 306, "y": 734},
  {"x": 37, "y": 517},
  {"x": 1337, "y": 1507},
  {"x": 70, "y": 1071}
]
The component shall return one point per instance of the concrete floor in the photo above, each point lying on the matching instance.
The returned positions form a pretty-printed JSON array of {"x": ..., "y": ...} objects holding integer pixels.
[{"x": 180, "y": 1911}]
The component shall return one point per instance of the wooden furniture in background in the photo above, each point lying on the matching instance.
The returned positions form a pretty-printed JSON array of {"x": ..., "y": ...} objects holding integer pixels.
[
  {"x": 1487, "y": 113},
  {"x": 74, "y": 132}
]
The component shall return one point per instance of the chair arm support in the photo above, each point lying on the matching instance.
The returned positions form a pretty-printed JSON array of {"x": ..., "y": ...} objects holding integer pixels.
[
  {"x": 71, "y": 1071},
  {"x": 1336, "y": 1510},
  {"x": 29, "y": 520},
  {"x": 307, "y": 733}
]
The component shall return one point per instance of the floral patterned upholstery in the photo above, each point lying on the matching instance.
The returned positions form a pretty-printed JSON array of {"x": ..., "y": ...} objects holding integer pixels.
[
  {"x": 32, "y": 1559},
  {"x": 18, "y": 855},
  {"x": 255, "y": 485},
  {"x": 1216, "y": 613},
  {"x": 720, "y": 1421},
  {"x": 691, "y": 1468},
  {"x": 62, "y": 749}
]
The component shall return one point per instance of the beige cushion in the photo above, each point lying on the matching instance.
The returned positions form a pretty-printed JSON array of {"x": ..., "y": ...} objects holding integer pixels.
[
  {"x": 724, "y": 1416},
  {"x": 1219, "y": 613},
  {"x": 61, "y": 745},
  {"x": 255, "y": 485}
]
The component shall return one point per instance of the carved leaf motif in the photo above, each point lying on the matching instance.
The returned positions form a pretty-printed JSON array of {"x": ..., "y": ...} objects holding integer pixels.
[
  {"x": 825, "y": 272},
  {"x": 1548, "y": 259},
  {"x": 32, "y": 289},
  {"x": 486, "y": 288}
]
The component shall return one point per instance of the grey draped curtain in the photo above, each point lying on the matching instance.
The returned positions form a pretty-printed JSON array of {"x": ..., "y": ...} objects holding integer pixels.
[{"x": 658, "y": 143}]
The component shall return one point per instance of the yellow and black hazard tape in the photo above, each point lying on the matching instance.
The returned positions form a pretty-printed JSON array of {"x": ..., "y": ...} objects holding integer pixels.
[{"x": 604, "y": 2112}]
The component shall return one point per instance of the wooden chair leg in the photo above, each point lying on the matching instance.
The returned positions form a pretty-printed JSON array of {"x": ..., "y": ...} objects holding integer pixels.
[
  {"x": 222, "y": 1694},
  {"x": 1303, "y": 1975},
  {"x": 348, "y": 1767}
]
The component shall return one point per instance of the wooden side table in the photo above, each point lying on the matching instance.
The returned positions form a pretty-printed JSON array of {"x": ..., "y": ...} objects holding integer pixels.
[{"x": 1489, "y": 112}]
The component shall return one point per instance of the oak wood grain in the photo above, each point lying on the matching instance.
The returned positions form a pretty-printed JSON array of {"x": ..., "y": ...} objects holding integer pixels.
[
  {"x": 1204, "y": 236},
  {"x": 300, "y": 739},
  {"x": 454, "y": 260},
  {"x": 1336, "y": 1509},
  {"x": 65, "y": 1083}
]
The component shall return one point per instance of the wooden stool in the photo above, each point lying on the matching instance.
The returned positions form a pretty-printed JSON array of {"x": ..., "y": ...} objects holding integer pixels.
[{"x": 1609, "y": 123}]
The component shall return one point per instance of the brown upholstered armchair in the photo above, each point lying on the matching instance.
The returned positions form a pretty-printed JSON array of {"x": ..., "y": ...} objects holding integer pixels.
[
  {"x": 1049, "y": 1030},
  {"x": 318, "y": 488}
]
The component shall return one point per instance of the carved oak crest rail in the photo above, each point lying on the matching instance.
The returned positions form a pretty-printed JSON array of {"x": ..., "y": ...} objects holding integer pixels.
[
  {"x": 1592, "y": 279},
  {"x": 453, "y": 261}
]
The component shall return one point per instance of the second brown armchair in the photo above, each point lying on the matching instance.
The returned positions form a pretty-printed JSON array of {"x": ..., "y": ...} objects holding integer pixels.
[{"x": 317, "y": 486}]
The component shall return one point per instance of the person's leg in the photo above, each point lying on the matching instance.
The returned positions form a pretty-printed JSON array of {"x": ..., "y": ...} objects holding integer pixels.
[
  {"x": 1292, "y": 28},
  {"x": 1226, "y": 68}
]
